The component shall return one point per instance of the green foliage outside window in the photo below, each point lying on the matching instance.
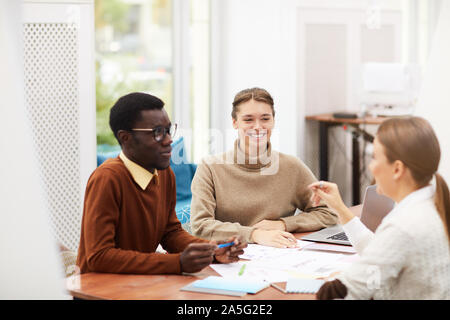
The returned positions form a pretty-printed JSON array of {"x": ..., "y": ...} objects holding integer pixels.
[{"x": 124, "y": 63}]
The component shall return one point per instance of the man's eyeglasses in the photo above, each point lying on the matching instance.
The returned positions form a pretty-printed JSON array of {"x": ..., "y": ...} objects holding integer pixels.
[{"x": 160, "y": 132}]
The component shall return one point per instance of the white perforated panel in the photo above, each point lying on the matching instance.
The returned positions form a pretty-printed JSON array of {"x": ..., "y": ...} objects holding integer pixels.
[{"x": 51, "y": 85}]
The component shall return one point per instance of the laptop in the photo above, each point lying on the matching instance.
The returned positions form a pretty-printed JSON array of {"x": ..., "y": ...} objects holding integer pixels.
[{"x": 375, "y": 208}]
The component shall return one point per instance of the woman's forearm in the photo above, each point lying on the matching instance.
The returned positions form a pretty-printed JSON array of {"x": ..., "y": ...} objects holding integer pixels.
[{"x": 344, "y": 214}]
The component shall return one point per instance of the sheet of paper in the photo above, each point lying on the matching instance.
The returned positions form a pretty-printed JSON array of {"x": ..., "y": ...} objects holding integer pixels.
[
  {"x": 331, "y": 247},
  {"x": 252, "y": 271},
  {"x": 317, "y": 263},
  {"x": 350, "y": 258},
  {"x": 292, "y": 263},
  {"x": 258, "y": 252}
]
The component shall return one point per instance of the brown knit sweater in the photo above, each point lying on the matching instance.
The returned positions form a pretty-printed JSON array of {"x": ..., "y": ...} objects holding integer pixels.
[
  {"x": 122, "y": 224},
  {"x": 231, "y": 192}
]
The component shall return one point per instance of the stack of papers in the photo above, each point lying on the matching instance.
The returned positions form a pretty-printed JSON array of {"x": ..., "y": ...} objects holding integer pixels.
[
  {"x": 258, "y": 252},
  {"x": 331, "y": 247},
  {"x": 304, "y": 264},
  {"x": 297, "y": 285},
  {"x": 299, "y": 267}
]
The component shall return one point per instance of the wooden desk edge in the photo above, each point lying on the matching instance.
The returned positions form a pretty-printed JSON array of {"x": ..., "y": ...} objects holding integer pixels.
[{"x": 84, "y": 296}]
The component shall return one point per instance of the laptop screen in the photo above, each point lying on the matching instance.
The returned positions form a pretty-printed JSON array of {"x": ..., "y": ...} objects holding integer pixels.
[{"x": 375, "y": 208}]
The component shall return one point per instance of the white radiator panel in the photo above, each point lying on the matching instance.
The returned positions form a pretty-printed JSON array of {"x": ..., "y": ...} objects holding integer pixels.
[{"x": 60, "y": 99}]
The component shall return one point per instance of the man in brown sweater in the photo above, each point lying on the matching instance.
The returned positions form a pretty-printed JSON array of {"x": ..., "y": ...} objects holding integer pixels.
[{"x": 130, "y": 202}]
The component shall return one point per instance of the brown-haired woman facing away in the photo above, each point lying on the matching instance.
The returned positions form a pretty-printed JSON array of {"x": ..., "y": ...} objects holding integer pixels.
[
  {"x": 408, "y": 256},
  {"x": 252, "y": 190}
]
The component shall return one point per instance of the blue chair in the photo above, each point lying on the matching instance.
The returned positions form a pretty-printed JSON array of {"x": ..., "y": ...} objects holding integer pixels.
[
  {"x": 183, "y": 170},
  {"x": 184, "y": 173}
]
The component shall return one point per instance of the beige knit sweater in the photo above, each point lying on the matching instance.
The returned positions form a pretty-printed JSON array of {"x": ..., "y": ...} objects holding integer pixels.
[{"x": 231, "y": 192}]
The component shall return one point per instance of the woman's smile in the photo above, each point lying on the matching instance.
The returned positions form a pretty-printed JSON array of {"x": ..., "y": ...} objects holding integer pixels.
[{"x": 257, "y": 134}]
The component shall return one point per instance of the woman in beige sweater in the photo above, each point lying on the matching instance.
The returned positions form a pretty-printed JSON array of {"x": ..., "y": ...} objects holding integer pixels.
[{"x": 253, "y": 190}]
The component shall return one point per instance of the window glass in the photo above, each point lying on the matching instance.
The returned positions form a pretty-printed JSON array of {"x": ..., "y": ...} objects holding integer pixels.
[
  {"x": 200, "y": 78},
  {"x": 133, "y": 42}
]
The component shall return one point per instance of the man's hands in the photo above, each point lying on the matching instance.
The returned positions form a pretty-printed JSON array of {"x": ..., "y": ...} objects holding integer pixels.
[
  {"x": 197, "y": 256},
  {"x": 232, "y": 253}
]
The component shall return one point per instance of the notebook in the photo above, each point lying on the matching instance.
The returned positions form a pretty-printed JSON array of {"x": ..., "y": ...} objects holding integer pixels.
[
  {"x": 231, "y": 284},
  {"x": 191, "y": 288},
  {"x": 299, "y": 285}
]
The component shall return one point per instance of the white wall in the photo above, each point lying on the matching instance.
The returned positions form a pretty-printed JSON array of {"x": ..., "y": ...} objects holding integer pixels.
[
  {"x": 434, "y": 98},
  {"x": 30, "y": 267},
  {"x": 249, "y": 49},
  {"x": 254, "y": 43},
  {"x": 258, "y": 43}
]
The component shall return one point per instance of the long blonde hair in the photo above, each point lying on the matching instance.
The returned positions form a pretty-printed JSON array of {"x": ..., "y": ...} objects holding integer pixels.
[{"x": 413, "y": 141}]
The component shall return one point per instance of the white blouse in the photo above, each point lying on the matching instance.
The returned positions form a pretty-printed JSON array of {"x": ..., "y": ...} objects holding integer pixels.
[{"x": 408, "y": 256}]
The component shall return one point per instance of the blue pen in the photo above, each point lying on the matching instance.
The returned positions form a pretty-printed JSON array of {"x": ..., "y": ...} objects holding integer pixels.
[{"x": 224, "y": 245}]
